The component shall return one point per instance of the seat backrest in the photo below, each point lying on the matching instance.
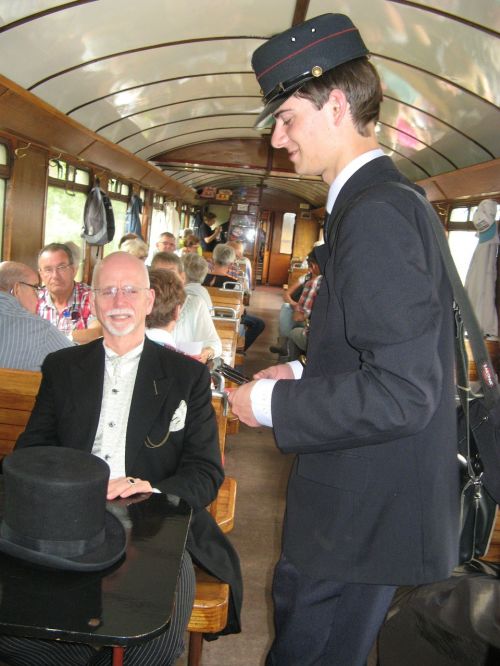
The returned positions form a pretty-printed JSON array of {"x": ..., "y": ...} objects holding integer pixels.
[
  {"x": 227, "y": 298},
  {"x": 18, "y": 390}
]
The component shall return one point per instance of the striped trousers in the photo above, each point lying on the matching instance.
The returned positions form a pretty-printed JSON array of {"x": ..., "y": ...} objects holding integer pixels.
[{"x": 163, "y": 650}]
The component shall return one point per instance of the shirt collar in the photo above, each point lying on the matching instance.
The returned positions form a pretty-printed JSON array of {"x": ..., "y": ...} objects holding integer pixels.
[
  {"x": 133, "y": 353},
  {"x": 347, "y": 172}
]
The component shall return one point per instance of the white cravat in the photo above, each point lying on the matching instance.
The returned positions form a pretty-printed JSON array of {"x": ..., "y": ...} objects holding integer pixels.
[{"x": 119, "y": 380}]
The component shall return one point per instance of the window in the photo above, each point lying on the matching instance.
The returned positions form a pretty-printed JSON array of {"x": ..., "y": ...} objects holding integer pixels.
[
  {"x": 462, "y": 236},
  {"x": 66, "y": 195},
  {"x": 287, "y": 233}
]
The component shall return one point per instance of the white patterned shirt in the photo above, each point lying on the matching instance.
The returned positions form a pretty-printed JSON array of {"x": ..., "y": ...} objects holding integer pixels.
[{"x": 120, "y": 373}]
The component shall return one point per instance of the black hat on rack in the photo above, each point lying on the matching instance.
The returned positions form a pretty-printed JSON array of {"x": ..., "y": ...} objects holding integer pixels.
[
  {"x": 54, "y": 511},
  {"x": 286, "y": 61}
]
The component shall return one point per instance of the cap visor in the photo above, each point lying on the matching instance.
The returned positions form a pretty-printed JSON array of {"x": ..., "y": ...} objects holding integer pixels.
[{"x": 265, "y": 118}]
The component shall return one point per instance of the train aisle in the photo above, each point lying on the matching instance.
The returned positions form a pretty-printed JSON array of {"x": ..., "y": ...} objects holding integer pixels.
[{"x": 261, "y": 471}]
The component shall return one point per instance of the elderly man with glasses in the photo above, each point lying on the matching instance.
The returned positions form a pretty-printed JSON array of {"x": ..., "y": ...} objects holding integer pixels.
[
  {"x": 147, "y": 411},
  {"x": 26, "y": 339},
  {"x": 64, "y": 302}
]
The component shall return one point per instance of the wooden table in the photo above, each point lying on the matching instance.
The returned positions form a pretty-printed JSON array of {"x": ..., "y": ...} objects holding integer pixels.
[{"x": 128, "y": 603}]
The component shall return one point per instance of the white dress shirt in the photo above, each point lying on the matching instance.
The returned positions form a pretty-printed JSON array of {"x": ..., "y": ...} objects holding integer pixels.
[{"x": 119, "y": 380}]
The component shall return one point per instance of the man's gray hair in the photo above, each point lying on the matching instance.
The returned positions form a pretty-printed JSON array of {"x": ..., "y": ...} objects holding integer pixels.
[
  {"x": 58, "y": 247},
  {"x": 12, "y": 272},
  {"x": 223, "y": 254},
  {"x": 195, "y": 267}
]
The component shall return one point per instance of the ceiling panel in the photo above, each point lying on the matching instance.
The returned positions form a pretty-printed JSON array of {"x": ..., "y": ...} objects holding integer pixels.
[{"x": 159, "y": 75}]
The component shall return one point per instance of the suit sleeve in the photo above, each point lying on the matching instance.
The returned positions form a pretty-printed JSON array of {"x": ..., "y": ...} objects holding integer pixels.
[{"x": 385, "y": 282}]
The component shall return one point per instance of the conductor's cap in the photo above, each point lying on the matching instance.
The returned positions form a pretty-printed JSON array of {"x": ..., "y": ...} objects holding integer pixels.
[{"x": 285, "y": 62}]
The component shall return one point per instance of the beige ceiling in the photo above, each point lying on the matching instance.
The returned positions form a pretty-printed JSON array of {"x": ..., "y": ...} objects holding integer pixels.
[{"x": 171, "y": 82}]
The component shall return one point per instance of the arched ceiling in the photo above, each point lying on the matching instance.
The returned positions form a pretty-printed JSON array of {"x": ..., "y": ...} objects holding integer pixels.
[{"x": 171, "y": 82}]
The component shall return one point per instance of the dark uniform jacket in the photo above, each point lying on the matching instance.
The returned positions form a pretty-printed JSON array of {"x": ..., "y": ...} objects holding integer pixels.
[
  {"x": 373, "y": 494},
  {"x": 187, "y": 464}
]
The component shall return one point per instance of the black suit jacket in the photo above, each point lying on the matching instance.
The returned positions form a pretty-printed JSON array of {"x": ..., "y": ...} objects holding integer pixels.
[
  {"x": 373, "y": 494},
  {"x": 187, "y": 464}
]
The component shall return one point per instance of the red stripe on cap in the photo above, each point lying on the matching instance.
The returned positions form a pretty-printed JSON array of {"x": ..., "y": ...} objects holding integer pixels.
[{"x": 304, "y": 48}]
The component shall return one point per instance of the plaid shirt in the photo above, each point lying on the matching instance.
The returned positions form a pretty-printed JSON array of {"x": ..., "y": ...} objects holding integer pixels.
[
  {"x": 308, "y": 295},
  {"x": 78, "y": 306}
]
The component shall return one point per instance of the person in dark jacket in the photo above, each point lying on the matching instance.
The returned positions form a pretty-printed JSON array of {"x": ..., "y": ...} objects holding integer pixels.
[{"x": 373, "y": 498}]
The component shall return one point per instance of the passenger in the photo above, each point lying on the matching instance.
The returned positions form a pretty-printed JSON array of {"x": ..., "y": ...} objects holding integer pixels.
[
  {"x": 373, "y": 497},
  {"x": 136, "y": 247},
  {"x": 191, "y": 246},
  {"x": 210, "y": 232},
  {"x": 62, "y": 301},
  {"x": 166, "y": 242},
  {"x": 120, "y": 378},
  {"x": 169, "y": 299},
  {"x": 196, "y": 269},
  {"x": 195, "y": 323},
  {"x": 242, "y": 264},
  {"x": 26, "y": 338},
  {"x": 126, "y": 237},
  {"x": 295, "y": 343},
  {"x": 223, "y": 257}
]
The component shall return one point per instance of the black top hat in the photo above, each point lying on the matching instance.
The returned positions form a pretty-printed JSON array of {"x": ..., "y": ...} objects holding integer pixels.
[
  {"x": 54, "y": 511},
  {"x": 288, "y": 60}
]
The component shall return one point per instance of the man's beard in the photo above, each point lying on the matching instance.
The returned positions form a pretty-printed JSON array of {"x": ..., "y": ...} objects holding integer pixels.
[{"x": 119, "y": 332}]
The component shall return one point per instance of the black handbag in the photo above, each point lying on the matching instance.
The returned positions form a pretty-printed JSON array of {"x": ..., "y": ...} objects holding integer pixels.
[{"x": 478, "y": 414}]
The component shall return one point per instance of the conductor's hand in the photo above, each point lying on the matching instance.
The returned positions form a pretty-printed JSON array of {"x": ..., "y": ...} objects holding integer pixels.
[
  {"x": 125, "y": 486},
  {"x": 241, "y": 405},
  {"x": 281, "y": 371}
]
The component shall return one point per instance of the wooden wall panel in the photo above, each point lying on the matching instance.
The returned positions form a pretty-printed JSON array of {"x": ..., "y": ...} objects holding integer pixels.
[{"x": 25, "y": 207}]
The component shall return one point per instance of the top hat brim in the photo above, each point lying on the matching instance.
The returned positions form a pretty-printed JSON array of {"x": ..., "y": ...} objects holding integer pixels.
[{"x": 102, "y": 557}]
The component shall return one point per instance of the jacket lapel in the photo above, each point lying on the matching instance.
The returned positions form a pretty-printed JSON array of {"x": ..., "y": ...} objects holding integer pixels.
[
  {"x": 87, "y": 375},
  {"x": 150, "y": 393}
]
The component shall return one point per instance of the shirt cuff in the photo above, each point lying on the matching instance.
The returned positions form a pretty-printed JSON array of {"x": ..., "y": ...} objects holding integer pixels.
[
  {"x": 260, "y": 400},
  {"x": 297, "y": 369}
]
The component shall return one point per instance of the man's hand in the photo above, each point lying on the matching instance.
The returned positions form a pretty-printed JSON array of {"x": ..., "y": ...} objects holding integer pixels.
[
  {"x": 241, "y": 405},
  {"x": 281, "y": 371},
  {"x": 125, "y": 486}
]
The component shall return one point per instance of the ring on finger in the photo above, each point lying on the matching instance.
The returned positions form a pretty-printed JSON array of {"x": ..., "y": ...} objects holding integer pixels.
[{"x": 130, "y": 479}]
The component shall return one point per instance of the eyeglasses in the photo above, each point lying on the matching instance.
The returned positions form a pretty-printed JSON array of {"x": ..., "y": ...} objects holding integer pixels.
[
  {"x": 127, "y": 291},
  {"x": 36, "y": 287},
  {"x": 50, "y": 270}
]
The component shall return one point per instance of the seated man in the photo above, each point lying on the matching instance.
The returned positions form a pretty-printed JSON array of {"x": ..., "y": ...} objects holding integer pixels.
[
  {"x": 26, "y": 338},
  {"x": 64, "y": 302},
  {"x": 146, "y": 410},
  {"x": 166, "y": 242},
  {"x": 195, "y": 323},
  {"x": 223, "y": 257},
  {"x": 242, "y": 264},
  {"x": 294, "y": 316}
]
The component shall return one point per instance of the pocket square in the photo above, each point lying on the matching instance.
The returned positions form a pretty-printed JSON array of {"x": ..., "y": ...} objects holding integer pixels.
[{"x": 179, "y": 417}]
